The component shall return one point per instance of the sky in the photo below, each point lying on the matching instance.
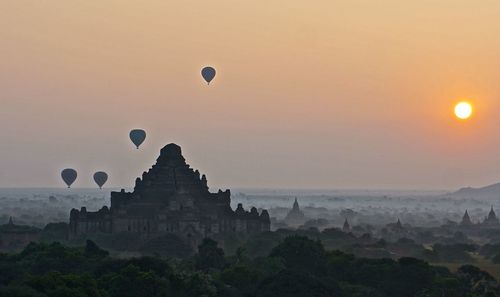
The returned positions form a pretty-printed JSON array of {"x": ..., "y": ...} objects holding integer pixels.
[{"x": 326, "y": 94}]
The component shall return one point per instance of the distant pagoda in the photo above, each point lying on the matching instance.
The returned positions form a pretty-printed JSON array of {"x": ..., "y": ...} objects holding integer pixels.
[
  {"x": 466, "y": 221},
  {"x": 346, "y": 227},
  {"x": 15, "y": 237},
  {"x": 295, "y": 216},
  {"x": 491, "y": 219}
]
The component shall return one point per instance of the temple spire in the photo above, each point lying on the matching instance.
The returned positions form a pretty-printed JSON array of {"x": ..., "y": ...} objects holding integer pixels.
[
  {"x": 492, "y": 214},
  {"x": 346, "y": 227},
  {"x": 398, "y": 224},
  {"x": 296, "y": 204},
  {"x": 466, "y": 219}
]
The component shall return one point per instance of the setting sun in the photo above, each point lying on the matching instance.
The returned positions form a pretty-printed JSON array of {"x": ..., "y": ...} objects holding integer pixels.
[{"x": 463, "y": 110}]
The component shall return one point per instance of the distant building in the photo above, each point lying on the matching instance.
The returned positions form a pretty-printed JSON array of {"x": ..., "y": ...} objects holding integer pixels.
[
  {"x": 295, "y": 216},
  {"x": 346, "y": 227},
  {"x": 15, "y": 237},
  {"x": 395, "y": 227},
  {"x": 491, "y": 220},
  {"x": 466, "y": 221},
  {"x": 170, "y": 198},
  {"x": 395, "y": 231},
  {"x": 399, "y": 225}
]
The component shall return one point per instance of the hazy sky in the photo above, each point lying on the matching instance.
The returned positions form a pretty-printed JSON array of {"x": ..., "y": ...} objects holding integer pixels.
[{"x": 309, "y": 94}]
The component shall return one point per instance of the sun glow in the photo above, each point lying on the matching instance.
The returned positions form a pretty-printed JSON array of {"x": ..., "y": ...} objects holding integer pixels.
[{"x": 463, "y": 110}]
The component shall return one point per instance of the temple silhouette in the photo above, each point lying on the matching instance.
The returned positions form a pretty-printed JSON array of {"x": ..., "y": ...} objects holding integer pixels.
[
  {"x": 490, "y": 221},
  {"x": 170, "y": 198},
  {"x": 295, "y": 216}
]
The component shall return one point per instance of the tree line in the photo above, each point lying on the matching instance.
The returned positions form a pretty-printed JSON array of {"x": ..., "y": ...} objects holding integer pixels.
[{"x": 296, "y": 266}]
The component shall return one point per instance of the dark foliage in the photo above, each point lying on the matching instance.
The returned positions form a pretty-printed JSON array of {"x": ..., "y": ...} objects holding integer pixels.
[
  {"x": 209, "y": 256},
  {"x": 297, "y": 266},
  {"x": 301, "y": 254}
]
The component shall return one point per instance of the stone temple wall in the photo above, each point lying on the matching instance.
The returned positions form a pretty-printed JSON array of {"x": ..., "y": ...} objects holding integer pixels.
[{"x": 170, "y": 198}]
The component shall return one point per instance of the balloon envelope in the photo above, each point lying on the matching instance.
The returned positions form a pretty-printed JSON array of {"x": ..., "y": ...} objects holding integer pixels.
[
  {"x": 69, "y": 176},
  {"x": 208, "y": 74},
  {"x": 100, "y": 178},
  {"x": 137, "y": 136}
]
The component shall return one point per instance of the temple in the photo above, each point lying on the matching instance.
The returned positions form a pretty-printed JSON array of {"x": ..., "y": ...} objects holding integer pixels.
[
  {"x": 295, "y": 216},
  {"x": 170, "y": 198},
  {"x": 346, "y": 227},
  {"x": 466, "y": 221},
  {"x": 491, "y": 221},
  {"x": 15, "y": 237}
]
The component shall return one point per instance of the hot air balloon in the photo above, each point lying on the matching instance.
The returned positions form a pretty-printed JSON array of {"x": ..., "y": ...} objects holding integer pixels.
[
  {"x": 208, "y": 74},
  {"x": 137, "y": 136},
  {"x": 69, "y": 176},
  {"x": 100, "y": 178}
]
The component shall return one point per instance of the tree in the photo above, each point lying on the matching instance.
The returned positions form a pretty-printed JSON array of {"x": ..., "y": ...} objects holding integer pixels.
[
  {"x": 93, "y": 251},
  {"x": 20, "y": 291},
  {"x": 195, "y": 284},
  {"x": 55, "y": 284},
  {"x": 132, "y": 282},
  {"x": 302, "y": 254},
  {"x": 289, "y": 283},
  {"x": 242, "y": 277},
  {"x": 209, "y": 256},
  {"x": 479, "y": 281}
]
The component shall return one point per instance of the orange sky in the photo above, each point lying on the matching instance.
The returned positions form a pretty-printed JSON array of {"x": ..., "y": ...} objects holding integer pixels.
[{"x": 330, "y": 94}]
